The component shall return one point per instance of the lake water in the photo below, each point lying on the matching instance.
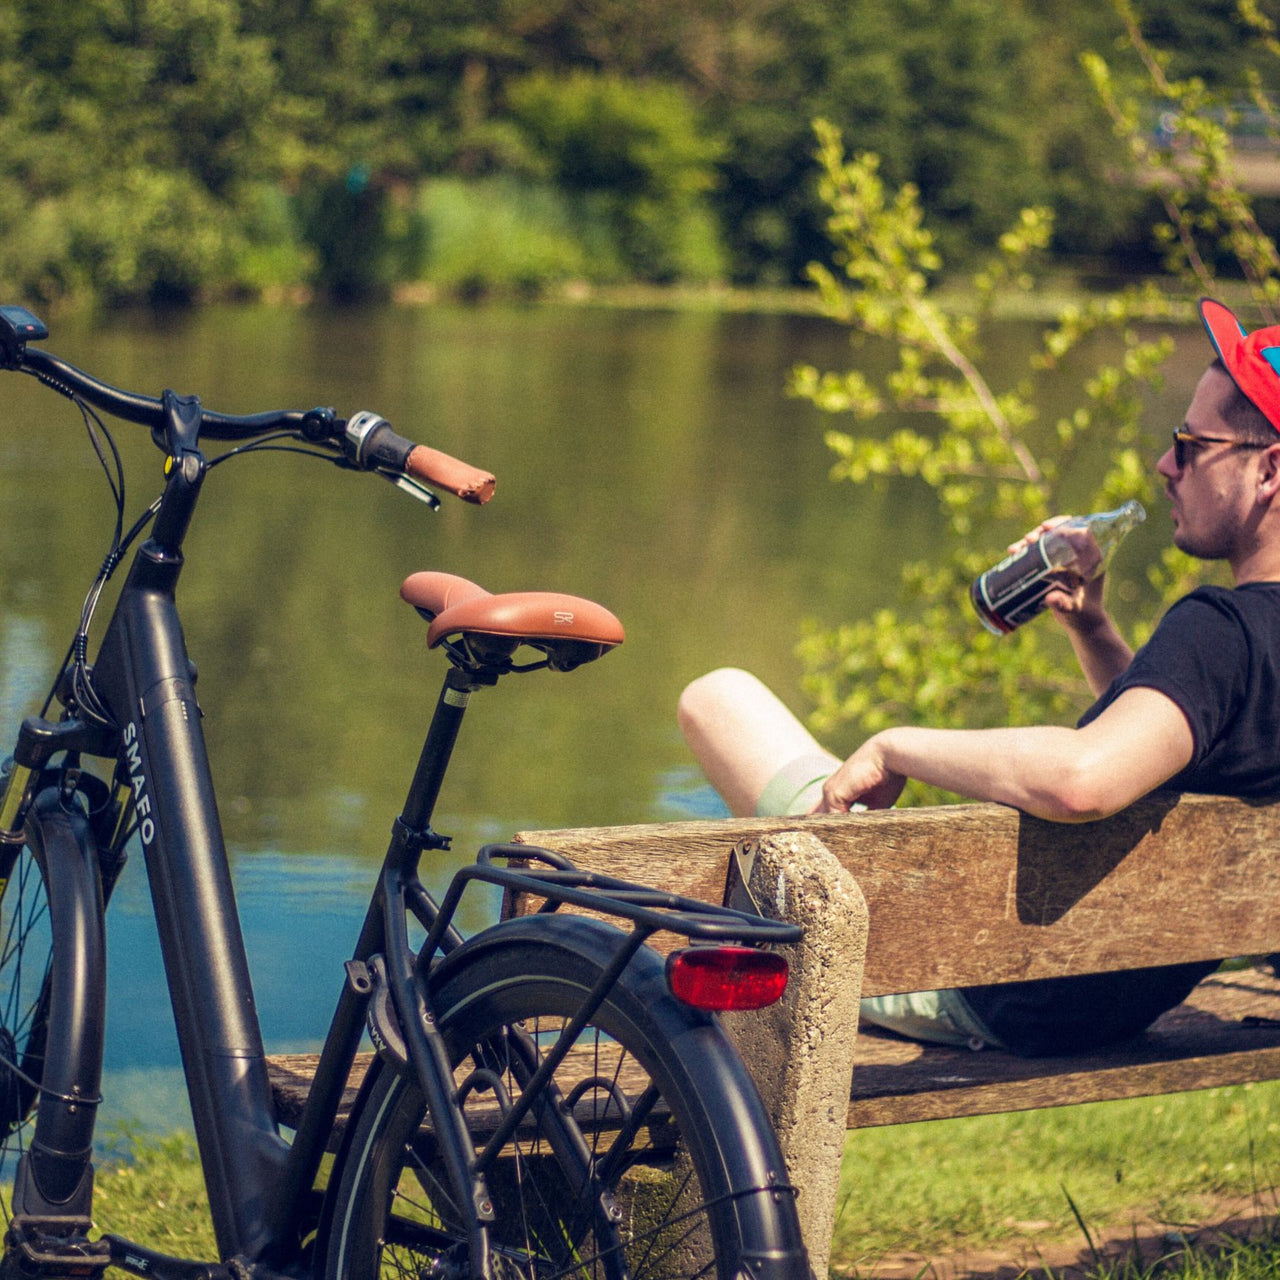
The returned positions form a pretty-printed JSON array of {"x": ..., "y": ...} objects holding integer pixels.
[{"x": 650, "y": 460}]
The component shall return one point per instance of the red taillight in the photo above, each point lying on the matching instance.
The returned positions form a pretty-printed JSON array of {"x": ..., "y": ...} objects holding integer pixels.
[{"x": 726, "y": 977}]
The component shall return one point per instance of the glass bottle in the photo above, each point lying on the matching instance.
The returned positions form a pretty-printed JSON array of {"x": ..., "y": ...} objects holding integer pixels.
[{"x": 1013, "y": 591}]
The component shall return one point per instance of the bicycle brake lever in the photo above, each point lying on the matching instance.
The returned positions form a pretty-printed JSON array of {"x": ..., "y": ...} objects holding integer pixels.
[{"x": 411, "y": 487}]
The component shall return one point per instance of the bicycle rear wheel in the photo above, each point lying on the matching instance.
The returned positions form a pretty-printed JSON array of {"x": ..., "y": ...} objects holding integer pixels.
[{"x": 648, "y": 1154}]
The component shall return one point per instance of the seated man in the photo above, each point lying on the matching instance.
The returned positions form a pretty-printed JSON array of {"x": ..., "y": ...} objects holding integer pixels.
[{"x": 1195, "y": 709}]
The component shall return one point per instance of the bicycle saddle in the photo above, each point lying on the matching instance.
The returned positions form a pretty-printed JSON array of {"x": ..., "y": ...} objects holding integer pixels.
[{"x": 489, "y": 628}]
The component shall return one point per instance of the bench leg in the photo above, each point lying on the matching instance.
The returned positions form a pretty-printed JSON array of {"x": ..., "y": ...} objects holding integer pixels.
[{"x": 800, "y": 1051}]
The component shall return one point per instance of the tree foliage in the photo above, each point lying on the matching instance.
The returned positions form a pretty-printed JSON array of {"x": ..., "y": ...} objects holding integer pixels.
[
  {"x": 635, "y": 155},
  {"x": 983, "y": 451},
  {"x": 260, "y": 143},
  {"x": 133, "y": 136}
]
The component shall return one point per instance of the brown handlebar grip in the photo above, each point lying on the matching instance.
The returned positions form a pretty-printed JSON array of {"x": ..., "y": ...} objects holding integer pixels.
[{"x": 452, "y": 474}]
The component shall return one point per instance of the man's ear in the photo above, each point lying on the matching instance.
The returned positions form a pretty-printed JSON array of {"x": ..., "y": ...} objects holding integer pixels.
[{"x": 1269, "y": 473}]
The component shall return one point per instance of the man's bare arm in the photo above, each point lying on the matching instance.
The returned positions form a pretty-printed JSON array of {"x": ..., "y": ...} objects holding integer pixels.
[
  {"x": 1100, "y": 649},
  {"x": 1065, "y": 775}
]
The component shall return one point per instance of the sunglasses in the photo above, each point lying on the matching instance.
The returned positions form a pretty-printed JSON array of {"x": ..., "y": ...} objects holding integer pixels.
[{"x": 1181, "y": 439}]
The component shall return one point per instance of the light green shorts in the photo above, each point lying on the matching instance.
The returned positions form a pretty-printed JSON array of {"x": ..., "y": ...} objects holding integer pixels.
[
  {"x": 940, "y": 1017},
  {"x": 796, "y": 787}
]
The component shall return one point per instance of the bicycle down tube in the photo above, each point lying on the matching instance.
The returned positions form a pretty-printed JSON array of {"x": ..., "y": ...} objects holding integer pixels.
[{"x": 144, "y": 676}]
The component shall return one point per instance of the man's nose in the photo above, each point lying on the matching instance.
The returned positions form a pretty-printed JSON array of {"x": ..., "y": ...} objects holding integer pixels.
[{"x": 1166, "y": 466}]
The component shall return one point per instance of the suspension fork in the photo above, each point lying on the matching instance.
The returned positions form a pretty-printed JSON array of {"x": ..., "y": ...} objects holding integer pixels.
[{"x": 54, "y": 1179}]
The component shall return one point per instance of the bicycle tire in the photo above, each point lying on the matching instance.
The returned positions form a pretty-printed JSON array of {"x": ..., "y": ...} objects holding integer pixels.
[
  {"x": 698, "y": 1189},
  {"x": 26, "y": 955}
]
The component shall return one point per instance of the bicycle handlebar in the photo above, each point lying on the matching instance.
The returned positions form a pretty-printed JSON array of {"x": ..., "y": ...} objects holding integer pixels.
[
  {"x": 451, "y": 474},
  {"x": 148, "y": 411},
  {"x": 366, "y": 439}
]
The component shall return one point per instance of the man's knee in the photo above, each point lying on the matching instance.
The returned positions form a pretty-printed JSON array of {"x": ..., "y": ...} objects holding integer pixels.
[{"x": 705, "y": 700}]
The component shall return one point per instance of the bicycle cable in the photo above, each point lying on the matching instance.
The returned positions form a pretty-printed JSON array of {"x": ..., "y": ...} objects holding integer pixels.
[
  {"x": 76, "y": 660},
  {"x": 76, "y": 1100},
  {"x": 268, "y": 444}
]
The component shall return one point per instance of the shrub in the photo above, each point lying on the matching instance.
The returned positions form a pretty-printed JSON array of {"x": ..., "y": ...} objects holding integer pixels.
[
  {"x": 635, "y": 154},
  {"x": 501, "y": 234},
  {"x": 140, "y": 234},
  {"x": 272, "y": 254}
]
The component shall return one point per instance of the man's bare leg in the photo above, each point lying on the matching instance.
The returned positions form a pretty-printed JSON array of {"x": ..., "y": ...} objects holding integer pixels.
[{"x": 742, "y": 735}]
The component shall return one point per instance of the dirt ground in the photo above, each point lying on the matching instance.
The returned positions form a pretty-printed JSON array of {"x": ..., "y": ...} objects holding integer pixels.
[{"x": 1140, "y": 1238}]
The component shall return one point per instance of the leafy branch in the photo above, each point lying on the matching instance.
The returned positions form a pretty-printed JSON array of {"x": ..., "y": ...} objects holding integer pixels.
[{"x": 982, "y": 450}]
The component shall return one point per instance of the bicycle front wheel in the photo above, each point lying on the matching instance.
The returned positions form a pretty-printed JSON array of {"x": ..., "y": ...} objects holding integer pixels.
[
  {"x": 647, "y": 1154},
  {"x": 26, "y": 949}
]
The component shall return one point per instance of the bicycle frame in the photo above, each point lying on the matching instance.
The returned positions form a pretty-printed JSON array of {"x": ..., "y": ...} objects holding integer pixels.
[
  {"x": 144, "y": 678},
  {"x": 260, "y": 1186}
]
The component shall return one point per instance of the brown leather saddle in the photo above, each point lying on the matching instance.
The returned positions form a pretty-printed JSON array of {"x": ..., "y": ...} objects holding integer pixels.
[{"x": 478, "y": 628}]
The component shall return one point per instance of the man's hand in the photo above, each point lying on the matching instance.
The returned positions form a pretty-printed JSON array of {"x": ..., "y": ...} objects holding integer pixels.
[
  {"x": 1076, "y": 598},
  {"x": 1077, "y": 606},
  {"x": 863, "y": 779}
]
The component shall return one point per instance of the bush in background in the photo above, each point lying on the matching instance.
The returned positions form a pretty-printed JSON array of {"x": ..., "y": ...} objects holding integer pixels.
[
  {"x": 503, "y": 234},
  {"x": 632, "y": 155}
]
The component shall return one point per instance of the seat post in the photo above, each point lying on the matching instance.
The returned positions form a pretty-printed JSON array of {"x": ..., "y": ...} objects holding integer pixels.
[{"x": 459, "y": 685}]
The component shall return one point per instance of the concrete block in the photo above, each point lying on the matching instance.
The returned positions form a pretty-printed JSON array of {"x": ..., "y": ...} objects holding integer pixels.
[{"x": 800, "y": 1051}]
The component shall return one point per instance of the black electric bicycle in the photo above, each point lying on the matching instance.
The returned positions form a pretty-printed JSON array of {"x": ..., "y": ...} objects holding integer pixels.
[{"x": 547, "y": 1097}]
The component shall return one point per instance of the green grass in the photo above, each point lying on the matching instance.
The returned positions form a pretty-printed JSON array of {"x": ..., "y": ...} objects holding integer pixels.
[
  {"x": 981, "y": 1181},
  {"x": 152, "y": 1192},
  {"x": 1242, "y": 1260},
  {"x": 975, "y": 1184},
  {"x": 1257, "y": 1258}
]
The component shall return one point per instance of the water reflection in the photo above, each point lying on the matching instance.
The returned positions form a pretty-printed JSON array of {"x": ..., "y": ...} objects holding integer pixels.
[
  {"x": 300, "y": 913},
  {"x": 649, "y": 460}
]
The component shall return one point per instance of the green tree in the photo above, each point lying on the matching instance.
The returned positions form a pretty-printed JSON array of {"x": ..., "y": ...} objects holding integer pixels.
[
  {"x": 635, "y": 156},
  {"x": 133, "y": 133},
  {"x": 1209, "y": 39},
  {"x": 913, "y": 82},
  {"x": 981, "y": 450}
]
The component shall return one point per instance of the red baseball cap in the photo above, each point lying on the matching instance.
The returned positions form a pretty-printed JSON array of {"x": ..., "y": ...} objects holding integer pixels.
[{"x": 1252, "y": 359}]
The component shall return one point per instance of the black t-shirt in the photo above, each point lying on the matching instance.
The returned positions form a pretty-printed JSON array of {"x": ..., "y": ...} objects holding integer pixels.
[{"x": 1216, "y": 653}]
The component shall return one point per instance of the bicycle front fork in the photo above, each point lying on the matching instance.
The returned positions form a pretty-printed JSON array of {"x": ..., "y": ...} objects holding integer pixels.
[
  {"x": 54, "y": 978},
  {"x": 53, "y": 1186}
]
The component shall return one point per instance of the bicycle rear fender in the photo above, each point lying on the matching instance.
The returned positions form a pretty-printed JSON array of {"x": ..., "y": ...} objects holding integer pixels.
[{"x": 55, "y": 1177}]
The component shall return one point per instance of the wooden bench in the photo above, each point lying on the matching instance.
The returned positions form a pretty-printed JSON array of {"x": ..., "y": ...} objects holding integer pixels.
[{"x": 910, "y": 900}]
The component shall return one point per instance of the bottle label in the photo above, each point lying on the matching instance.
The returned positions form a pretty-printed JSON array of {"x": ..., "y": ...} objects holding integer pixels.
[{"x": 1013, "y": 591}]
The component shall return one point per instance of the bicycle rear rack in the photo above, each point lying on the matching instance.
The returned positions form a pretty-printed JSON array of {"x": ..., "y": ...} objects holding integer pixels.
[{"x": 558, "y": 882}]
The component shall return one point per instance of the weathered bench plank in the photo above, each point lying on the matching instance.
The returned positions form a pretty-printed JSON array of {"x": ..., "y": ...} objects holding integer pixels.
[
  {"x": 1227, "y": 1033},
  {"x": 1005, "y": 896},
  {"x": 291, "y": 1074}
]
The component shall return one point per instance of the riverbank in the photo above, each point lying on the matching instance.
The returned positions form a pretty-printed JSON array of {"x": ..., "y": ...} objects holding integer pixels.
[
  {"x": 1045, "y": 302},
  {"x": 1056, "y": 290}
]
